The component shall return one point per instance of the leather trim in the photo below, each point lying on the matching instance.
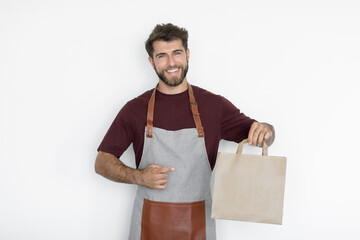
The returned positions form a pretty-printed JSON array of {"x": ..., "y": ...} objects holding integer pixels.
[
  {"x": 195, "y": 112},
  {"x": 193, "y": 107},
  {"x": 150, "y": 115},
  {"x": 175, "y": 221}
]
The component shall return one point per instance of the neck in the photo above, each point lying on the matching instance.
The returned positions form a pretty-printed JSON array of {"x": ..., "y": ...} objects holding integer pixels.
[{"x": 172, "y": 90}]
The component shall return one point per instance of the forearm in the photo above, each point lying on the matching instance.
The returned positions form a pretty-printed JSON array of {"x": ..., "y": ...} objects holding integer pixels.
[{"x": 110, "y": 167}]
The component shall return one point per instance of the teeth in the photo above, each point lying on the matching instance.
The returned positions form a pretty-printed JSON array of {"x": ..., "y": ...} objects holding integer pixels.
[{"x": 172, "y": 70}]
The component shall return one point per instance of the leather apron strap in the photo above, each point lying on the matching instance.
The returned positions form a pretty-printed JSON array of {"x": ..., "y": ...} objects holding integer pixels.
[{"x": 193, "y": 107}]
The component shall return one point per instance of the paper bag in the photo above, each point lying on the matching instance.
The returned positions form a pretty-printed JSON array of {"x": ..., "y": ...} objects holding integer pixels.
[{"x": 249, "y": 187}]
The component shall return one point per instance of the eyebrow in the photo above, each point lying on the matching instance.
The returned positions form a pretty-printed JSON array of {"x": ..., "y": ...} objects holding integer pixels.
[{"x": 177, "y": 50}]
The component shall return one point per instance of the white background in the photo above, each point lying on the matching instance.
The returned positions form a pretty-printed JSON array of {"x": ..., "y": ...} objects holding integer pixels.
[{"x": 67, "y": 67}]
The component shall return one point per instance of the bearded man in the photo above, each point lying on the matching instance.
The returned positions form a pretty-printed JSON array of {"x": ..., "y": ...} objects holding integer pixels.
[{"x": 175, "y": 140}]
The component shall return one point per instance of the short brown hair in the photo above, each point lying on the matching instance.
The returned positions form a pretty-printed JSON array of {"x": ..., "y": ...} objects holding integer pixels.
[{"x": 166, "y": 32}]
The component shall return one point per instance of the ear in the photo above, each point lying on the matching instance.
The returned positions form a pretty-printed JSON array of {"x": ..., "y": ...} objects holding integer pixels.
[
  {"x": 187, "y": 54},
  {"x": 151, "y": 62}
]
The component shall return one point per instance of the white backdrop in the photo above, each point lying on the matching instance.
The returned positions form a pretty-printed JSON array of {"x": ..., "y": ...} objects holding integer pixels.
[{"x": 67, "y": 67}]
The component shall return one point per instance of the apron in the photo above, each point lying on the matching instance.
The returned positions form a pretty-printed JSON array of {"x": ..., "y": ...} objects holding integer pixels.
[{"x": 182, "y": 210}]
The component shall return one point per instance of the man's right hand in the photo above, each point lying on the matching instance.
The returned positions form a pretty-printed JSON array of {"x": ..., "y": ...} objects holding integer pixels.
[{"x": 154, "y": 176}]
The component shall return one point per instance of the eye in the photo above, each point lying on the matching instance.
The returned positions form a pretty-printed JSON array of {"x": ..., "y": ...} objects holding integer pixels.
[
  {"x": 161, "y": 56},
  {"x": 177, "y": 53}
]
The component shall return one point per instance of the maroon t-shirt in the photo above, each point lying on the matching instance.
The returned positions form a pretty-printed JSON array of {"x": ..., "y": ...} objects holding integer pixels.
[{"x": 220, "y": 119}]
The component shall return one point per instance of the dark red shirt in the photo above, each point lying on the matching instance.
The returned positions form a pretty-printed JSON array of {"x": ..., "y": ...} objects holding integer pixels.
[{"x": 220, "y": 119}]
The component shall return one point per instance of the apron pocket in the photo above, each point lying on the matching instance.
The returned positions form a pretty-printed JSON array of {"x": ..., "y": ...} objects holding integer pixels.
[{"x": 175, "y": 221}]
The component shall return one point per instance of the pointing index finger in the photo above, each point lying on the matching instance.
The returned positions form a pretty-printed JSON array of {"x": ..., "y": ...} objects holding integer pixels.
[{"x": 167, "y": 169}]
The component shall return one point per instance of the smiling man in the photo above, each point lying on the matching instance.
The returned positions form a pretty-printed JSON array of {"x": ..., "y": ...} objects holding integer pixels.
[
  {"x": 171, "y": 64},
  {"x": 175, "y": 140}
]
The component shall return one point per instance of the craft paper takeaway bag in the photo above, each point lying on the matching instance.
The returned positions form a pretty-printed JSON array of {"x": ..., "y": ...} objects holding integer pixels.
[{"x": 249, "y": 187}]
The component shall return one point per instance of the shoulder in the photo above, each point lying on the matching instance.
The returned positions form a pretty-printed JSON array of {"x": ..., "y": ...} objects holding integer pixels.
[
  {"x": 208, "y": 98},
  {"x": 202, "y": 94},
  {"x": 214, "y": 102},
  {"x": 137, "y": 105},
  {"x": 210, "y": 104},
  {"x": 135, "y": 108},
  {"x": 140, "y": 100}
]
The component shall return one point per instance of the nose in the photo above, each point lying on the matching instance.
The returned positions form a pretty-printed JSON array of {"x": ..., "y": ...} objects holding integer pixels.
[{"x": 171, "y": 61}]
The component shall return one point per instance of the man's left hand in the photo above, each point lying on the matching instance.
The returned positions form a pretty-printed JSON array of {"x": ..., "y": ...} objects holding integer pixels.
[{"x": 260, "y": 132}]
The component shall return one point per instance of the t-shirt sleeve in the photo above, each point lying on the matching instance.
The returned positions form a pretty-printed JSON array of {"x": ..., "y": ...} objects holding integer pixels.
[
  {"x": 120, "y": 135},
  {"x": 235, "y": 125}
]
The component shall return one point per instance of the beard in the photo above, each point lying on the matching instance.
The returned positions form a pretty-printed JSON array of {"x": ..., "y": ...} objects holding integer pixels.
[{"x": 174, "y": 81}]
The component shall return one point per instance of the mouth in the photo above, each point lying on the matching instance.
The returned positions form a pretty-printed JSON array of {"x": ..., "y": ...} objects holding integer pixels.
[{"x": 173, "y": 70}]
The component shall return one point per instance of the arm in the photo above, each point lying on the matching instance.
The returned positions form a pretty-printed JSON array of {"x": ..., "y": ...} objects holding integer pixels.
[
  {"x": 260, "y": 132},
  {"x": 110, "y": 167},
  {"x": 235, "y": 127}
]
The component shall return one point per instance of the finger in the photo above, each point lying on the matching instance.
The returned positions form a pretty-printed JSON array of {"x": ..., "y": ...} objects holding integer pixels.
[
  {"x": 161, "y": 187},
  {"x": 167, "y": 169},
  {"x": 256, "y": 136},
  {"x": 160, "y": 182},
  {"x": 154, "y": 166},
  {"x": 251, "y": 132},
  {"x": 160, "y": 176},
  {"x": 260, "y": 138},
  {"x": 267, "y": 136}
]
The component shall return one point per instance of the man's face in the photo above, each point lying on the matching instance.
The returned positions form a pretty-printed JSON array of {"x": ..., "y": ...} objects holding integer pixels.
[{"x": 170, "y": 61}]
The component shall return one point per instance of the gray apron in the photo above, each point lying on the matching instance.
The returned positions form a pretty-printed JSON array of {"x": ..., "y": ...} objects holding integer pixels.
[{"x": 182, "y": 210}]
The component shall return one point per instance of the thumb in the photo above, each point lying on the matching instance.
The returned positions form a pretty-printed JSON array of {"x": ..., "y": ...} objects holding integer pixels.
[{"x": 155, "y": 166}]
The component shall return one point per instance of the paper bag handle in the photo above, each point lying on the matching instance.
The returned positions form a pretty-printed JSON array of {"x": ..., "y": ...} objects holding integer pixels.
[{"x": 241, "y": 144}]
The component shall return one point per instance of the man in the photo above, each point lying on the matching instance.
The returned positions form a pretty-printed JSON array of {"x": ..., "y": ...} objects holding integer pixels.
[{"x": 175, "y": 139}]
